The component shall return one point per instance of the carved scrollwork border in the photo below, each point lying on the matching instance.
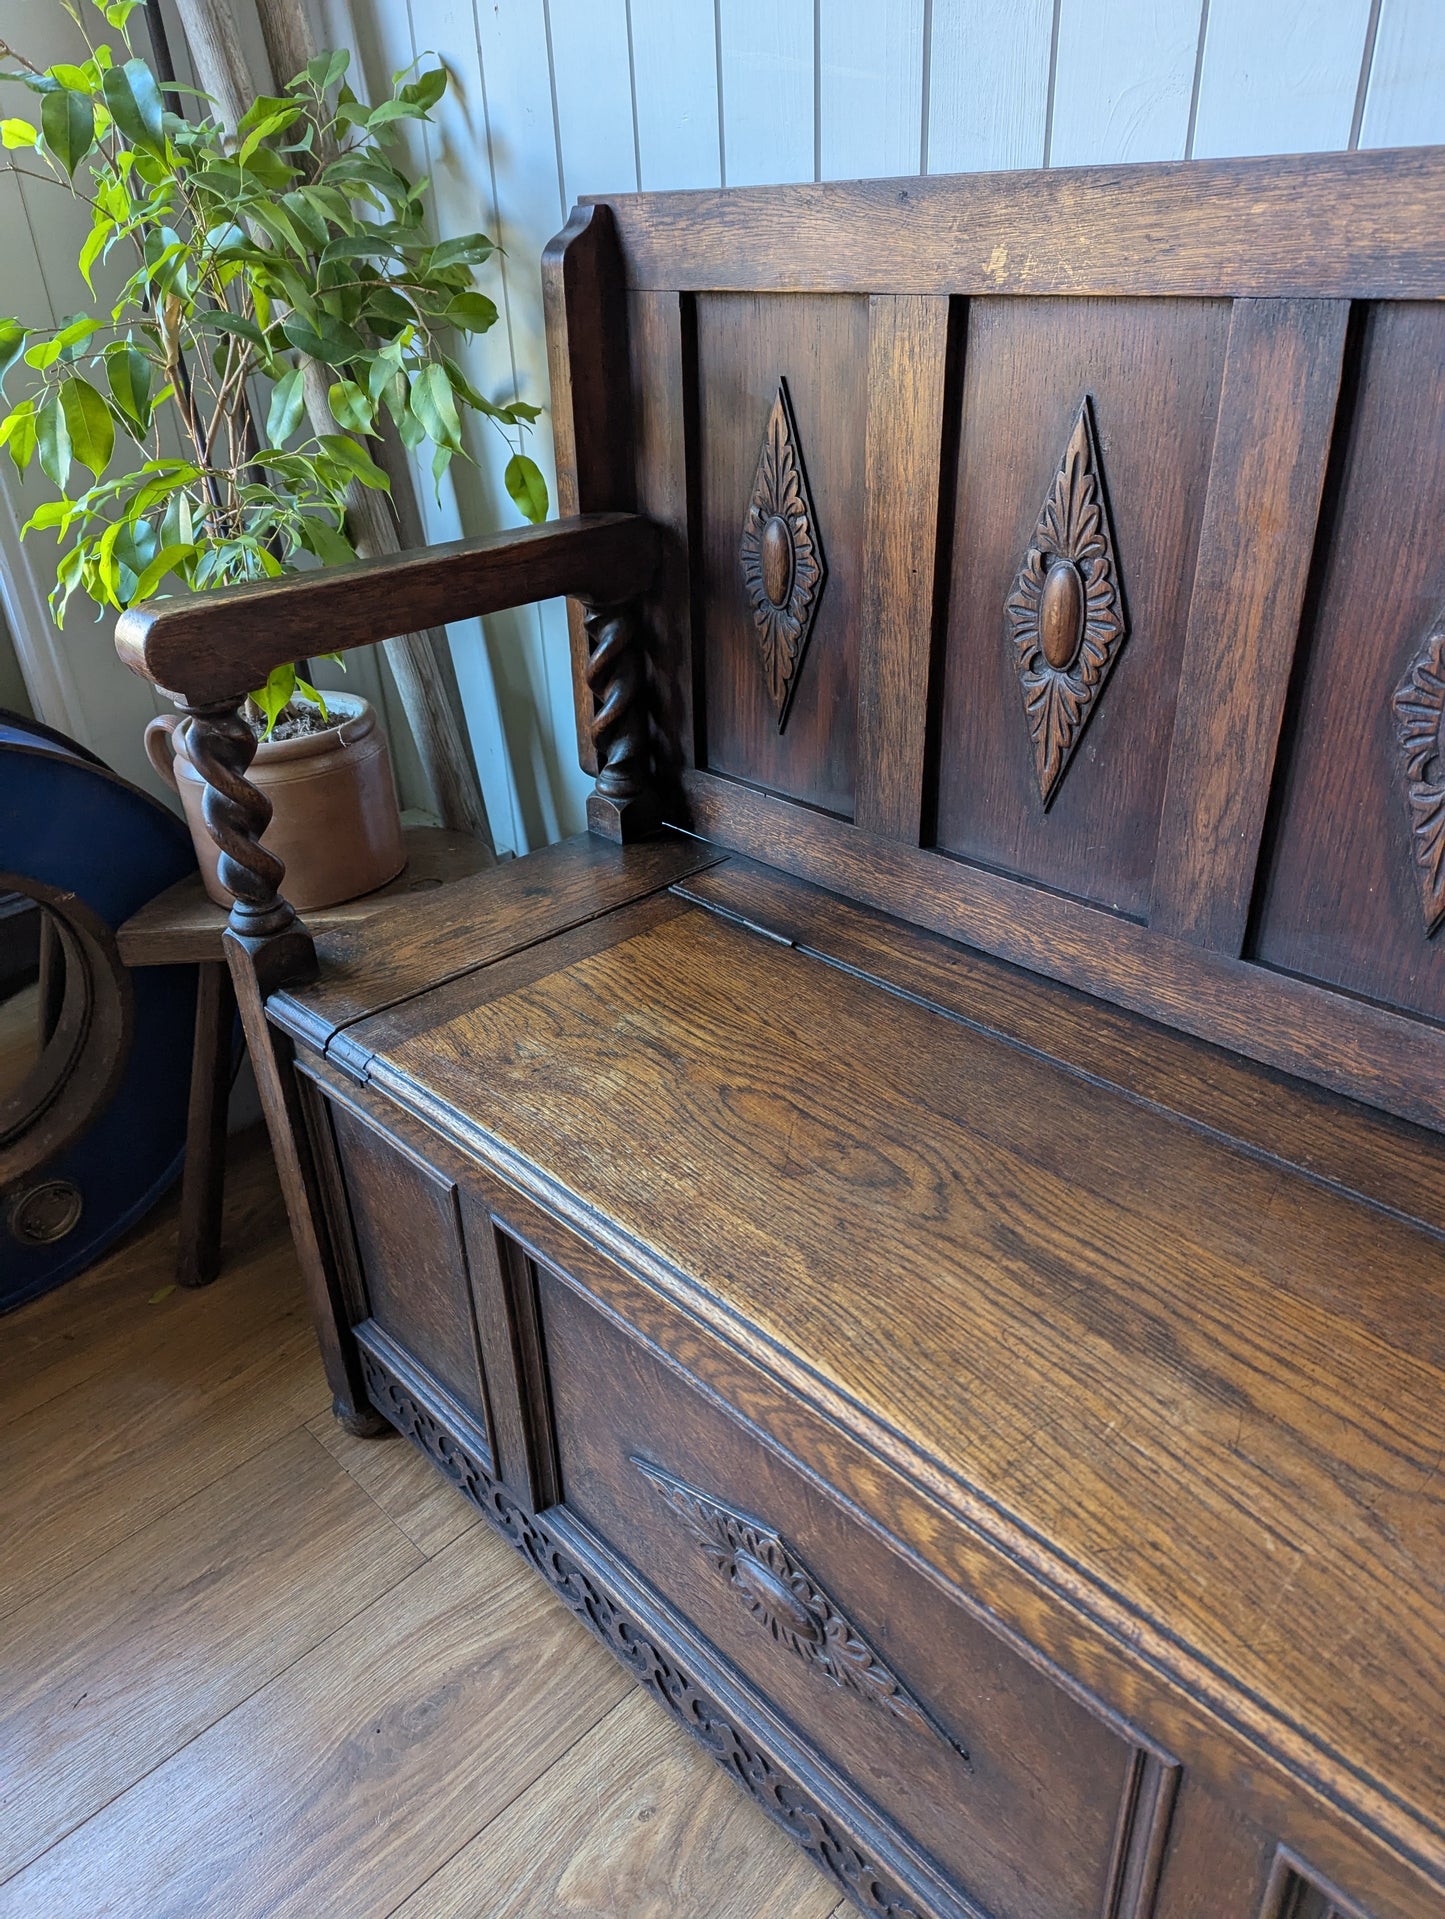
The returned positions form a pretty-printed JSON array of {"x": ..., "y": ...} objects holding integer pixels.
[{"x": 780, "y": 1796}]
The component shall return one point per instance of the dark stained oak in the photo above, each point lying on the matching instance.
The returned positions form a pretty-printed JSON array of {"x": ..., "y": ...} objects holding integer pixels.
[
  {"x": 819, "y": 347},
  {"x": 908, "y": 343},
  {"x": 1339, "y": 899},
  {"x": 1151, "y": 372},
  {"x": 417, "y": 944},
  {"x": 1331, "y": 226},
  {"x": 1346, "y": 1144},
  {"x": 1281, "y": 380},
  {"x": 989, "y": 1270},
  {"x": 218, "y": 645},
  {"x": 934, "y": 1252},
  {"x": 586, "y": 317},
  {"x": 1363, "y": 1050}
]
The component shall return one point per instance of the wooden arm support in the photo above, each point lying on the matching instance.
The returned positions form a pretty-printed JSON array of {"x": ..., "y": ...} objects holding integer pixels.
[
  {"x": 206, "y": 647},
  {"x": 206, "y": 650}
]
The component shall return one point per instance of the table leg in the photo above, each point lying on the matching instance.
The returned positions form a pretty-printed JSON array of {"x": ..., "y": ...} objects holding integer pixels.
[{"x": 203, "y": 1182}]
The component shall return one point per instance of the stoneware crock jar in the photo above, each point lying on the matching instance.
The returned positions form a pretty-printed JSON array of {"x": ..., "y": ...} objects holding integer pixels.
[{"x": 335, "y": 823}]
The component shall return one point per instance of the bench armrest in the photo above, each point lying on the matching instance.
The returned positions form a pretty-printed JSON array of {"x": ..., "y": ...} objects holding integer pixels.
[{"x": 209, "y": 647}]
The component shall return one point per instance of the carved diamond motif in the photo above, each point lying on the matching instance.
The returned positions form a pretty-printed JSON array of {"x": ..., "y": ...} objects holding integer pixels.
[
  {"x": 774, "y": 1585},
  {"x": 782, "y": 556},
  {"x": 1419, "y": 706},
  {"x": 1065, "y": 609}
]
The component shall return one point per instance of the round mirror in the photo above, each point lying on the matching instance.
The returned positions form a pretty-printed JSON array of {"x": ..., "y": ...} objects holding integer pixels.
[{"x": 64, "y": 1023}]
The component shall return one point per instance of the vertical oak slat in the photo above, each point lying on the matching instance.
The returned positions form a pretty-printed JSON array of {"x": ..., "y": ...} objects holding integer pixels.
[
  {"x": 1276, "y": 416},
  {"x": 586, "y": 310},
  {"x": 662, "y": 404},
  {"x": 907, "y": 356}
]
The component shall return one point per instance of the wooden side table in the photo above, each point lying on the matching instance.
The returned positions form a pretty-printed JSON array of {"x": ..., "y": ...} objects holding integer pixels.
[{"x": 181, "y": 927}]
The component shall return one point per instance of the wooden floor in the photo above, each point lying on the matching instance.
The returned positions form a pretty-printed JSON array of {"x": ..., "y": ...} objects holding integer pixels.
[{"x": 251, "y": 1667}]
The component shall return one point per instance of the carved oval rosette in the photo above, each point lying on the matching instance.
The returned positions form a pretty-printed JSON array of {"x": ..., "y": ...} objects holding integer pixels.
[
  {"x": 781, "y": 556},
  {"x": 1065, "y": 610}
]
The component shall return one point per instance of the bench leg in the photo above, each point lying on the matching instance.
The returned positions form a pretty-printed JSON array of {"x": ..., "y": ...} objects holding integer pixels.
[{"x": 203, "y": 1183}]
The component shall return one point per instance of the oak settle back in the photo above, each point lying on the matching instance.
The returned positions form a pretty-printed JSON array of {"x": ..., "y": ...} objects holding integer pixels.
[{"x": 1054, "y": 560}]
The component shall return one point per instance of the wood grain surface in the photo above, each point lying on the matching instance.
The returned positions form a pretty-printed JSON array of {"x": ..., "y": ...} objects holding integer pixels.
[
  {"x": 1349, "y": 1145},
  {"x": 418, "y": 943},
  {"x": 1336, "y": 226},
  {"x": 214, "y": 646},
  {"x": 1018, "y": 1314},
  {"x": 182, "y": 926},
  {"x": 627, "y": 1826},
  {"x": 208, "y": 1711}
]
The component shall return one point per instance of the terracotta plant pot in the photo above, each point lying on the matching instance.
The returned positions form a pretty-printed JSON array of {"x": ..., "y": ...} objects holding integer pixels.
[{"x": 335, "y": 824}]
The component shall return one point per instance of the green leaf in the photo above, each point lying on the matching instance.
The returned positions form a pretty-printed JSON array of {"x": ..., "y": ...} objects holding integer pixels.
[
  {"x": 325, "y": 70},
  {"x": 95, "y": 243},
  {"x": 170, "y": 559},
  {"x": 88, "y": 421},
  {"x": 117, "y": 12},
  {"x": 472, "y": 312},
  {"x": 350, "y": 406},
  {"x": 18, "y": 133},
  {"x": 288, "y": 403},
  {"x": 12, "y": 344},
  {"x": 426, "y": 89},
  {"x": 53, "y": 438},
  {"x": 128, "y": 373},
  {"x": 68, "y": 122},
  {"x": 356, "y": 460},
  {"x": 263, "y": 130},
  {"x": 321, "y": 538},
  {"x": 18, "y": 433},
  {"x": 523, "y": 480},
  {"x": 312, "y": 695},
  {"x": 48, "y": 515},
  {"x": 434, "y": 405},
  {"x": 467, "y": 251},
  {"x": 134, "y": 99},
  {"x": 390, "y": 110},
  {"x": 275, "y": 696},
  {"x": 218, "y": 320}
]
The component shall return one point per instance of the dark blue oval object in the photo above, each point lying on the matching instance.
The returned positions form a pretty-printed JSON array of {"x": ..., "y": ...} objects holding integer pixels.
[{"x": 73, "y": 828}]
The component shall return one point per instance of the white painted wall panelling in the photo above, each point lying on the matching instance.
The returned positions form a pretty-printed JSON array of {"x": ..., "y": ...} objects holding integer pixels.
[
  {"x": 769, "y": 78},
  {"x": 674, "y": 64},
  {"x": 1405, "y": 97},
  {"x": 870, "y": 87},
  {"x": 1279, "y": 79},
  {"x": 988, "y": 84},
  {"x": 1123, "y": 80}
]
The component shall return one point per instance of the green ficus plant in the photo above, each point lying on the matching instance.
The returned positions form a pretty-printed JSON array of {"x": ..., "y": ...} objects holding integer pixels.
[{"x": 297, "y": 237}]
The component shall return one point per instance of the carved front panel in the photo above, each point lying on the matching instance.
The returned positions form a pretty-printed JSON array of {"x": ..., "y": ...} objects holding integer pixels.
[
  {"x": 409, "y": 1247},
  {"x": 1084, "y": 446},
  {"x": 1353, "y": 881},
  {"x": 1016, "y": 1789},
  {"x": 779, "y": 479}
]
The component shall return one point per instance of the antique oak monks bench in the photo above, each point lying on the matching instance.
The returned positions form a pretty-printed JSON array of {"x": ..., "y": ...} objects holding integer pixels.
[{"x": 927, "y": 1225}]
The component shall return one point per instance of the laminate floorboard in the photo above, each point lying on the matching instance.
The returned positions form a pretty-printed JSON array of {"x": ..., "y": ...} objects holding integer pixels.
[
  {"x": 635, "y": 1821},
  {"x": 252, "y": 1668}
]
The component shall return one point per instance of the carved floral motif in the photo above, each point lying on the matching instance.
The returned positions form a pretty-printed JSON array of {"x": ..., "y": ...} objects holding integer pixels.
[
  {"x": 1419, "y": 706},
  {"x": 782, "y": 556},
  {"x": 1065, "y": 610},
  {"x": 779, "y": 1591},
  {"x": 795, "y": 1810}
]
